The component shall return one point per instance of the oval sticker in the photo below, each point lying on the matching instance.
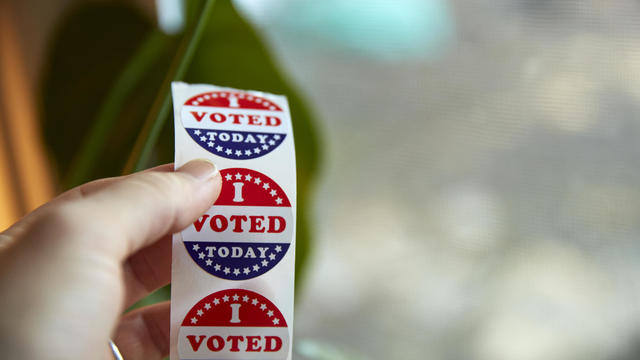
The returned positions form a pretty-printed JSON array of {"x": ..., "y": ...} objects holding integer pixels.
[
  {"x": 233, "y": 124},
  {"x": 246, "y": 232},
  {"x": 233, "y": 324}
]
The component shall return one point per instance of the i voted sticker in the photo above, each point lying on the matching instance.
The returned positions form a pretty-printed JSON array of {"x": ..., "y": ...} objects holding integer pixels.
[
  {"x": 244, "y": 243},
  {"x": 233, "y": 324},
  {"x": 234, "y": 124},
  {"x": 246, "y": 232}
]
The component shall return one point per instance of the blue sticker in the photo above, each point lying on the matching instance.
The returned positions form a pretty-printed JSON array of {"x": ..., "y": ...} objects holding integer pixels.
[
  {"x": 237, "y": 261},
  {"x": 234, "y": 124},
  {"x": 237, "y": 145}
]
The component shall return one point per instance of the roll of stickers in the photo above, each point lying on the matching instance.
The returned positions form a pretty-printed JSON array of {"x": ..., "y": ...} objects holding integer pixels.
[{"x": 233, "y": 268}]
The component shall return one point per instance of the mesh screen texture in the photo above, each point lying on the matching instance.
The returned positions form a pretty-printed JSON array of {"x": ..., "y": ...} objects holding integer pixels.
[{"x": 480, "y": 198}]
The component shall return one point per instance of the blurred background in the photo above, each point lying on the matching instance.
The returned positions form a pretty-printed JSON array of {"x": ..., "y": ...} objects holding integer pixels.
[{"x": 472, "y": 166}]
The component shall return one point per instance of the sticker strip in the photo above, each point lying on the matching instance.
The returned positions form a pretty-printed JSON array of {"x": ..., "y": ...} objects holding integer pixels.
[{"x": 233, "y": 268}]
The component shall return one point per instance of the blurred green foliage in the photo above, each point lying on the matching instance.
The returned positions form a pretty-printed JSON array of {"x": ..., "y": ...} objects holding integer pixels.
[
  {"x": 107, "y": 67},
  {"x": 92, "y": 46}
]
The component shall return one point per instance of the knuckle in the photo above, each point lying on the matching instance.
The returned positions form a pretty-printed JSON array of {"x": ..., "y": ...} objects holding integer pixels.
[
  {"x": 59, "y": 221},
  {"x": 163, "y": 184},
  {"x": 73, "y": 222},
  {"x": 167, "y": 189}
]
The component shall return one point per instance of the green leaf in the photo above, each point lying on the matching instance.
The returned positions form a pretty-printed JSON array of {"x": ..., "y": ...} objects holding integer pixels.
[
  {"x": 161, "y": 109},
  {"x": 108, "y": 70},
  {"x": 95, "y": 141},
  {"x": 90, "y": 51},
  {"x": 232, "y": 54}
]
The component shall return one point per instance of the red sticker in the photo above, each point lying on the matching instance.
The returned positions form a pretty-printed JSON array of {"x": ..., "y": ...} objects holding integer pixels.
[
  {"x": 232, "y": 99},
  {"x": 233, "y": 324},
  {"x": 248, "y": 230},
  {"x": 234, "y": 124}
]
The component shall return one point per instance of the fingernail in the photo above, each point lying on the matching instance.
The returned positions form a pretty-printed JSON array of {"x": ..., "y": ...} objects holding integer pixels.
[{"x": 200, "y": 169}]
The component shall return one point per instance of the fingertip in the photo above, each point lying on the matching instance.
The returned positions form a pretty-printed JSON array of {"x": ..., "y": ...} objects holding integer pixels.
[{"x": 207, "y": 176}]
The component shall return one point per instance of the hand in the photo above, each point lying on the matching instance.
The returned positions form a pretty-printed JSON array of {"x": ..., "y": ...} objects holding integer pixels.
[{"x": 70, "y": 268}]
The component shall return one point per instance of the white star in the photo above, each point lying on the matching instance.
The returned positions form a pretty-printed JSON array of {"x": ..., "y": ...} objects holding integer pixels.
[
  {"x": 270, "y": 313},
  {"x": 257, "y": 180},
  {"x": 245, "y": 298},
  {"x": 256, "y": 150},
  {"x": 263, "y": 306},
  {"x": 200, "y": 312},
  {"x": 265, "y": 186},
  {"x": 278, "y": 248},
  {"x": 256, "y": 267},
  {"x": 226, "y": 270},
  {"x": 203, "y": 138},
  {"x": 217, "y": 267},
  {"x": 265, "y": 147},
  {"x": 228, "y": 151},
  {"x": 236, "y": 272},
  {"x": 228, "y": 177},
  {"x": 272, "y": 107},
  {"x": 201, "y": 255},
  {"x": 246, "y": 270},
  {"x": 210, "y": 144},
  {"x": 209, "y": 262},
  {"x": 271, "y": 142},
  {"x": 207, "y": 306},
  {"x": 254, "y": 302},
  {"x": 247, "y": 177},
  {"x": 235, "y": 297},
  {"x": 272, "y": 256},
  {"x": 276, "y": 321},
  {"x": 273, "y": 193},
  {"x": 197, "y": 132},
  {"x": 278, "y": 201},
  {"x": 225, "y": 298},
  {"x": 238, "y": 176},
  {"x": 265, "y": 263},
  {"x": 194, "y": 320},
  {"x": 247, "y": 152},
  {"x": 216, "y": 301},
  {"x": 238, "y": 153},
  {"x": 218, "y": 148},
  {"x": 196, "y": 247},
  {"x": 277, "y": 137}
]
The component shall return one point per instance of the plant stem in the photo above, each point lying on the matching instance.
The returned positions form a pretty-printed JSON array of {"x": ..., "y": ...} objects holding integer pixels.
[
  {"x": 86, "y": 159},
  {"x": 148, "y": 137}
]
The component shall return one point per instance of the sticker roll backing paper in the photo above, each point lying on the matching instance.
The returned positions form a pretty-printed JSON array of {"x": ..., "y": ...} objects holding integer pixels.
[{"x": 233, "y": 268}]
